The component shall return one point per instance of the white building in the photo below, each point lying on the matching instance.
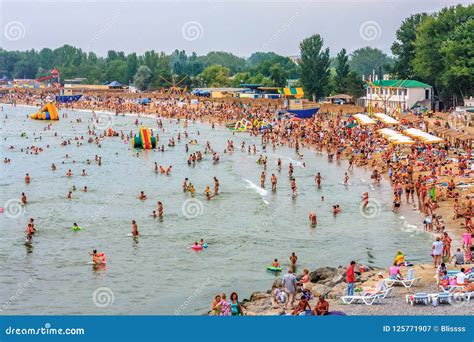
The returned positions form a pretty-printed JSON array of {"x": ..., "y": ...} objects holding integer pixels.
[{"x": 397, "y": 95}]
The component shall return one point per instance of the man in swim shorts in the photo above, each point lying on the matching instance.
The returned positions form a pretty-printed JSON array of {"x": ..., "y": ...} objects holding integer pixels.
[
  {"x": 134, "y": 228},
  {"x": 216, "y": 186},
  {"x": 274, "y": 182}
]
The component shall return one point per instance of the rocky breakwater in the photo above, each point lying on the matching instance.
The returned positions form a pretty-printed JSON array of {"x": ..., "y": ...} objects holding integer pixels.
[{"x": 327, "y": 281}]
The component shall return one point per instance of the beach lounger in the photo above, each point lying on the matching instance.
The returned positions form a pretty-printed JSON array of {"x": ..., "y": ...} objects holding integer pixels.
[
  {"x": 385, "y": 293},
  {"x": 407, "y": 283},
  {"x": 451, "y": 288},
  {"x": 463, "y": 296},
  {"x": 367, "y": 300},
  {"x": 418, "y": 298},
  {"x": 441, "y": 298}
]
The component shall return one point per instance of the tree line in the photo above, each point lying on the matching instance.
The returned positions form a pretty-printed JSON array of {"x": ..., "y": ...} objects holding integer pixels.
[
  {"x": 437, "y": 49},
  {"x": 433, "y": 48}
]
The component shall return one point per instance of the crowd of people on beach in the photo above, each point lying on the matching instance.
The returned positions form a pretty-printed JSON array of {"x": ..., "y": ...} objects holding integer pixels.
[{"x": 422, "y": 175}]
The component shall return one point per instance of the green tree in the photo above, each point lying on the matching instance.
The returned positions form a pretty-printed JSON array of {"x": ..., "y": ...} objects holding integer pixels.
[
  {"x": 342, "y": 72},
  {"x": 225, "y": 59},
  {"x": 366, "y": 60},
  {"x": 404, "y": 47},
  {"x": 444, "y": 52},
  {"x": 278, "y": 75},
  {"x": 355, "y": 85},
  {"x": 314, "y": 67},
  {"x": 214, "y": 76},
  {"x": 142, "y": 77}
]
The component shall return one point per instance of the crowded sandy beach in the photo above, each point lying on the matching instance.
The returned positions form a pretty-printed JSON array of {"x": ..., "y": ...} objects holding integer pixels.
[
  {"x": 432, "y": 180},
  {"x": 216, "y": 177}
]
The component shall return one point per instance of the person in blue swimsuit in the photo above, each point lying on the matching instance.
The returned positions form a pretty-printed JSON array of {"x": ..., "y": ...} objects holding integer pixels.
[{"x": 235, "y": 305}]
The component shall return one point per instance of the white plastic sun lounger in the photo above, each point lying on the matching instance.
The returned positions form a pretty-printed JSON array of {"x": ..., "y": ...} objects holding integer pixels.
[
  {"x": 407, "y": 283},
  {"x": 463, "y": 296},
  {"x": 367, "y": 300}
]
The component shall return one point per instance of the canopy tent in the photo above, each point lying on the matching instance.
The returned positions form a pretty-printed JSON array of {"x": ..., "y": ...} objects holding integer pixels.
[
  {"x": 363, "y": 119},
  {"x": 296, "y": 92},
  {"x": 386, "y": 119},
  {"x": 423, "y": 136},
  {"x": 115, "y": 84},
  {"x": 395, "y": 137}
]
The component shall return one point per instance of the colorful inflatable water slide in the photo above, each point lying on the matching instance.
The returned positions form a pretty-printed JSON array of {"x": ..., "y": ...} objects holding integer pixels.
[
  {"x": 144, "y": 140},
  {"x": 48, "y": 112}
]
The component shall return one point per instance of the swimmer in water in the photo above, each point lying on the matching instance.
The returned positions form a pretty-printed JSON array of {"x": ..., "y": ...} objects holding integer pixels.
[
  {"x": 216, "y": 186},
  {"x": 293, "y": 259},
  {"x": 27, "y": 178},
  {"x": 160, "y": 209},
  {"x": 273, "y": 179},
  {"x": 365, "y": 199},
  {"x": 154, "y": 214},
  {"x": 69, "y": 173},
  {"x": 346, "y": 179},
  {"x": 276, "y": 263},
  {"x": 134, "y": 228},
  {"x": 29, "y": 232},
  {"x": 97, "y": 258},
  {"x": 313, "y": 218},
  {"x": 293, "y": 187},
  {"x": 85, "y": 189},
  {"x": 208, "y": 192},
  {"x": 185, "y": 185},
  {"x": 318, "y": 180},
  {"x": 75, "y": 227},
  {"x": 53, "y": 167},
  {"x": 84, "y": 173},
  {"x": 262, "y": 180},
  {"x": 23, "y": 198},
  {"x": 142, "y": 196},
  {"x": 191, "y": 189},
  {"x": 69, "y": 195}
]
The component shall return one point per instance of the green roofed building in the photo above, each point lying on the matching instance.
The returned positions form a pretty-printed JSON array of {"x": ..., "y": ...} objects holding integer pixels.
[{"x": 390, "y": 96}]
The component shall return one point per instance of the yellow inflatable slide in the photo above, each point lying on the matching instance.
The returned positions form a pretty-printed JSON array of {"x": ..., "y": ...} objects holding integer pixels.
[{"x": 48, "y": 112}]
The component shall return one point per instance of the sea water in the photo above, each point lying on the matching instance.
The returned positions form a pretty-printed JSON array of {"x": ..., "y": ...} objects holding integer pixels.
[{"x": 246, "y": 227}]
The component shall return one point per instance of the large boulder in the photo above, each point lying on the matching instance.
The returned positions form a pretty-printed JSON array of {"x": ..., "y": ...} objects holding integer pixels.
[
  {"x": 319, "y": 289},
  {"x": 322, "y": 273},
  {"x": 338, "y": 291}
]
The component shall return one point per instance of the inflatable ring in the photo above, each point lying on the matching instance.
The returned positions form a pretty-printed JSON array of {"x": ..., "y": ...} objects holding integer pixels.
[
  {"x": 196, "y": 247},
  {"x": 274, "y": 269}
]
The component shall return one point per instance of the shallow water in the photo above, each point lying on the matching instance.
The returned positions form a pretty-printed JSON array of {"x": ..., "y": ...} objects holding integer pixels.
[{"x": 246, "y": 227}]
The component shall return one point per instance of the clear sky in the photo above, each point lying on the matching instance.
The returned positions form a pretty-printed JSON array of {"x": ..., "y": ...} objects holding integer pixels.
[{"x": 240, "y": 27}]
